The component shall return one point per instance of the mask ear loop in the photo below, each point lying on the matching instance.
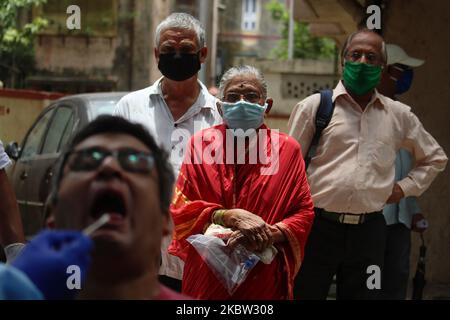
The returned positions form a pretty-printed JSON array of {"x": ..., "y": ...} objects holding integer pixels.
[
  {"x": 393, "y": 78},
  {"x": 398, "y": 68}
]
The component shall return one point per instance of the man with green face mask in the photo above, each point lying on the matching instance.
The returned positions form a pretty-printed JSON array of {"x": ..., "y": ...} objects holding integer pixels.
[{"x": 351, "y": 174}]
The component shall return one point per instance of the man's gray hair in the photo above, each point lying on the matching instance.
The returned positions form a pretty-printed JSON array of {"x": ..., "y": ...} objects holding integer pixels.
[
  {"x": 179, "y": 20},
  {"x": 242, "y": 71},
  {"x": 350, "y": 38}
]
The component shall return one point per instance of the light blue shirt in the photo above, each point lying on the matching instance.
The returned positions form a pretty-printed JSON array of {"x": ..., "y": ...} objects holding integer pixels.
[
  {"x": 15, "y": 285},
  {"x": 403, "y": 211}
]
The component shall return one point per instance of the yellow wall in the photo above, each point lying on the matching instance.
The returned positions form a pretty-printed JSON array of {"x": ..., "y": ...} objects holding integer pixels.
[{"x": 22, "y": 113}]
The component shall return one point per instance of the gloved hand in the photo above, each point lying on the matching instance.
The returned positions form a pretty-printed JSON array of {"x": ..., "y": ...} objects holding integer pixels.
[{"x": 45, "y": 260}]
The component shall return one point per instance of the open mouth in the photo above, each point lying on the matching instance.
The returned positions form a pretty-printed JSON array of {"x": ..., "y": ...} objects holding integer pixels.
[{"x": 111, "y": 202}]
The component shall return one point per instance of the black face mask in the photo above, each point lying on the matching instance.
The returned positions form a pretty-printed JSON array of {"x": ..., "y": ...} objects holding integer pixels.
[{"x": 179, "y": 66}]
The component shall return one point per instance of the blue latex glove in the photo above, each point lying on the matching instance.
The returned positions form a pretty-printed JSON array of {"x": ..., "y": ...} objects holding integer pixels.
[{"x": 45, "y": 260}]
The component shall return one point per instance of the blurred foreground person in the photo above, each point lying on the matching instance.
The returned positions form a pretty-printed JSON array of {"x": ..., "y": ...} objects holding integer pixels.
[{"x": 114, "y": 167}]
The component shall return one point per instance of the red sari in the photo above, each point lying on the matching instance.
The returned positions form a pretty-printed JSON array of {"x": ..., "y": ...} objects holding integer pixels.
[{"x": 282, "y": 198}]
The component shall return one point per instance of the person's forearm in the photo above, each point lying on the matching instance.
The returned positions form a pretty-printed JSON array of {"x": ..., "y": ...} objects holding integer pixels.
[
  {"x": 11, "y": 230},
  {"x": 429, "y": 155}
]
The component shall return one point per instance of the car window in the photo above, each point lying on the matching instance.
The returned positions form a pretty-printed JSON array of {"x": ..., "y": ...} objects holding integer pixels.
[
  {"x": 34, "y": 138},
  {"x": 56, "y": 129},
  {"x": 102, "y": 106},
  {"x": 67, "y": 132}
]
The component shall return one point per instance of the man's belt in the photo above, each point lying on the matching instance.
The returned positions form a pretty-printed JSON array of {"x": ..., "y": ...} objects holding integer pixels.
[{"x": 346, "y": 218}]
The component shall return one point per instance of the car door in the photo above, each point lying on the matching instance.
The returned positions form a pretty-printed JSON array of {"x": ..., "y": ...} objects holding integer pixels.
[
  {"x": 41, "y": 175},
  {"x": 24, "y": 164}
]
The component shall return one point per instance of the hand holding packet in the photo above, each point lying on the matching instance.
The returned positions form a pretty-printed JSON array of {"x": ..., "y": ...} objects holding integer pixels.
[
  {"x": 224, "y": 233},
  {"x": 230, "y": 266}
]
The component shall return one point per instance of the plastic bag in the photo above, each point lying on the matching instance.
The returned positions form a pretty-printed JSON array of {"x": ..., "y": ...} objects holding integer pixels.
[
  {"x": 221, "y": 232},
  {"x": 230, "y": 266}
]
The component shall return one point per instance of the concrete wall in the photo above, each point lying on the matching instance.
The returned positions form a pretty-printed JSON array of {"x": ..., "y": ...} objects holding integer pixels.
[
  {"x": 57, "y": 55},
  {"x": 142, "y": 51},
  {"x": 161, "y": 9},
  {"x": 125, "y": 58},
  {"x": 422, "y": 27}
]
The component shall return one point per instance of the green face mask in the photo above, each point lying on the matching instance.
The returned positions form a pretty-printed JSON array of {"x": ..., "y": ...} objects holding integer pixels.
[{"x": 361, "y": 78}]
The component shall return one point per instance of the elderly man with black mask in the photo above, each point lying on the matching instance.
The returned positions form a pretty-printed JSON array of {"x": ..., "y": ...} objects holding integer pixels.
[{"x": 176, "y": 106}]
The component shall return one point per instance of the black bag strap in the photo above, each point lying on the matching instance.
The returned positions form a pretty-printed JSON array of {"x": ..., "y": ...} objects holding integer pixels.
[{"x": 323, "y": 117}]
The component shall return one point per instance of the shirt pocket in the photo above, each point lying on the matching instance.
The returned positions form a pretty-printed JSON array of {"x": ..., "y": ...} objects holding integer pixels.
[{"x": 382, "y": 154}]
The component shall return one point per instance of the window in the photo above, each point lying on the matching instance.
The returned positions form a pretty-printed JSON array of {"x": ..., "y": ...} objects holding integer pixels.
[
  {"x": 249, "y": 15},
  {"x": 34, "y": 138},
  {"x": 57, "y": 129},
  {"x": 67, "y": 132}
]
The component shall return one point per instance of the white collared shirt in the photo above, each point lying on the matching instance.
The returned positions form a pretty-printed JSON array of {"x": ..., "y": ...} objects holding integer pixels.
[{"x": 148, "y": 107}]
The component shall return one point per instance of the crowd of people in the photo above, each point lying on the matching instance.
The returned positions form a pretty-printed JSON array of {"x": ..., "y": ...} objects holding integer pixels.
[{"x": 175, "y": 161}]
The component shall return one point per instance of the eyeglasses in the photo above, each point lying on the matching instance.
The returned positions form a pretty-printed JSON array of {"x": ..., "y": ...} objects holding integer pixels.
[
  {"x": 181, "y": 51},
  {"x": 235, "y": 97},
  {"x": 129, "y": 159},
  {"x": 372, "y": 58}
]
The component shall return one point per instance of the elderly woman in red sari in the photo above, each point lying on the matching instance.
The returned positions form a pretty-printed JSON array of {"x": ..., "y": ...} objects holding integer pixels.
[{"x": 262, "y": 196}]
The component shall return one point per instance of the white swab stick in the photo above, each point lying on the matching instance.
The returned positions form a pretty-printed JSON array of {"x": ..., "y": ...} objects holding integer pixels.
[{"x": 96, "y": 225}]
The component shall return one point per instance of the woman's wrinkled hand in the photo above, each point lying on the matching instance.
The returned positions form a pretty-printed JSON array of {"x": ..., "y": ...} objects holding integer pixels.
[
  {"x": 238, "y": 238},
  {"x": 255, "y": 230}
]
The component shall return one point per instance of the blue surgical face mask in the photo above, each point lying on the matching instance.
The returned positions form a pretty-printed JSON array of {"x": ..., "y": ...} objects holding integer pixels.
[
  {"x": 404, "y": 83},
  {"x": 243, "y": 115}
]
